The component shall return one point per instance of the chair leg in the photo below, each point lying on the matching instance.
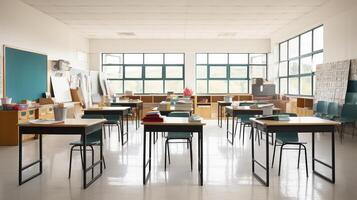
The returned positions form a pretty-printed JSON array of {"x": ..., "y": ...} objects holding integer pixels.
[
  {"x": 281, "y": 153},
  {"x": 307, "y": 168},
  {"x": 298, "y": 164},
  {"x": 235, "y": 128},
  {"x": 80, "y": 151},
  {"x": 92, "y": 159},
  {"x": 353, "y": 129},
  {"x": 120, "y": 134},
  {"x": 272, "y": 162},
  {"x": 165, "y": 153},
  {"x": 104, "y": 132},
  {"x": 190, "y": 141},
  {"x": 240, "y": 129},
  {"x": 105, "y": 166},
  {"x": 243, "y": 132},
  {"x": 168, "y": 152},
  {"x": 70, "y": 162}
]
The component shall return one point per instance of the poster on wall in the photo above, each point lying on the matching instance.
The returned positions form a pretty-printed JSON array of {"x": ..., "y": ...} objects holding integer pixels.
[{"x": 332, "y": 81}]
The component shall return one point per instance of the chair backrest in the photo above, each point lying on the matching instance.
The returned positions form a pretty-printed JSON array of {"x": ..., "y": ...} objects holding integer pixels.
[
  {"x": 349, "y": 111},
  {"x": 321, "y": 107},
  {"x": 246, "y": 104},
  {"x": 288, "y": 136},
  {"x": 351, "y": 98},
  {"x": 179, "y": 114},
  {"x": 332, "y": 109},
  {"x": 95, "y": 136}
]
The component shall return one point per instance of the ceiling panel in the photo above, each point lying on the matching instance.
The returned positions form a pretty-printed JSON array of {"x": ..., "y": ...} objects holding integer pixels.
[{"x": 176, "y": 19}]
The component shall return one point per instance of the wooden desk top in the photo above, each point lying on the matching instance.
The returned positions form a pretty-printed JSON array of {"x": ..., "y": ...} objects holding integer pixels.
[
  {"x": 67, "y": 123},
  {"x": 127, "y": 101},
  {"x": 247, "y": 108},
  {"x": 296, "y": 121},
  {"x": 172, "y": 108},
  {"x": 180, "y": 121},
  {"x": 107, "y": 109}
]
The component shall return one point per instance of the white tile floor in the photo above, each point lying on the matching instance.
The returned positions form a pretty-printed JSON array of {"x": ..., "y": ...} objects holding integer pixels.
[{"x": 227, "y": 171}]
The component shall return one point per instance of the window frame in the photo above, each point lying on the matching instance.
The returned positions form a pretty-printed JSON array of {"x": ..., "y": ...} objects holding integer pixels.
[
  {"x": 299, "y": 58},
  {"x": 143, "y": 68},
  {"x": 228, "y": 71}
]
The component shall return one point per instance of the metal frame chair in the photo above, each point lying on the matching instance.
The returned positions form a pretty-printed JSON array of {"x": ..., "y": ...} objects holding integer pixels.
[
  {"x": 184, "y": 137},
  {"x": 289, "y": 138},
  {"x": 92, "y": 139}
]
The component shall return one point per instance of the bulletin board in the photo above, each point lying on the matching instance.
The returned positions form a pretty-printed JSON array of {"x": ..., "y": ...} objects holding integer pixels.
[{"x": 25, "y": 74}]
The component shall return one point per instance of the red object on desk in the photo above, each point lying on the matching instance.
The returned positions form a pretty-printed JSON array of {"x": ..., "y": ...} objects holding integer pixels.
[{"x": 153, "y": 116}]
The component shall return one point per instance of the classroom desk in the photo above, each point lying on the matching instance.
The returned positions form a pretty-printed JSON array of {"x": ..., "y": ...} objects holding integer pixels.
[
  {"x": 122, "y": 112},
  {"x": 241, "y": 110},
  {"x": 173, "y": 124},
  {"x": 80, "y": 127},
  {"x": 295, "y": 124},
  {"x": 137, "y": 104},
  {"x": 172, "y": 109},
  {"x": 220, "y": 105}
]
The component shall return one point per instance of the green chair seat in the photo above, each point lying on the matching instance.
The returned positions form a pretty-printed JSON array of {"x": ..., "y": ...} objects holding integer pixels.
[{"x": 179, "y": 135}]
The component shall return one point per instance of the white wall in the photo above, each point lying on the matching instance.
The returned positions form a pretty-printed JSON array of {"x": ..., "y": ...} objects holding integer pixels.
[
  {"x": 339, "y": 18},
  {"x": 189, "y": 47},
  {"x": 24, "y": 27}
]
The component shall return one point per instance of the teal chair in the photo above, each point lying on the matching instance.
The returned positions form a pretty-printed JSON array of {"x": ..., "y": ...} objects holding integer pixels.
[
  {"x": 332, "y": 111},
  {"x": 321, "y": 108},
  {"x": 244, "y": 121},
  {"x": 92, "y": 139},
  {"x": 348, "y": 116},
  {"x": 112, "y": 120},
  {"x": 289, "y": 138},
  {"x": 178, "y": 137},
  {"x": 351, "y": 98}
]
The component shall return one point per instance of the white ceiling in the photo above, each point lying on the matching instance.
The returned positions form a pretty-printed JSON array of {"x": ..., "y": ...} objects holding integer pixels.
[{"x": 164, "y": 19}]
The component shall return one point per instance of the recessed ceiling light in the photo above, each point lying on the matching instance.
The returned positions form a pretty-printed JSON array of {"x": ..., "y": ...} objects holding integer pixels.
[{"x": 126, "y": 33}]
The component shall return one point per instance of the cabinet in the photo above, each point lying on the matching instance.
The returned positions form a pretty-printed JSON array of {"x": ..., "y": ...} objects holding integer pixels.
[{"x": 9, "y": 120}]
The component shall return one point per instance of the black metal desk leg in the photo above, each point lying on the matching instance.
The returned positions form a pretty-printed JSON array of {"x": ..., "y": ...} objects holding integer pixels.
[
  {"x": 144, "y": 159},
  {"x": 333, "y": 155},
  {"x": 232, "y": 130},
  {"x": 84, "y": 140},
  {"x": 252, "y": 140},
  {"x": 20, "y": 158},
  {"x": 137, "y": 117},
  {"x": 218, "y": 113},
  {"x": 227, "y": 119},
  {"x": 127, "y": 128},
  {"x": 40, "y": 151},
  {"x": 101, "y": 151},
  {"x": 150, "y": 149},
  {"x": 313, "y": 151},
  {"x": 267, "y": 157},
  {"x": 201, "y": 156},
  {"x": 121, "y": 130}
]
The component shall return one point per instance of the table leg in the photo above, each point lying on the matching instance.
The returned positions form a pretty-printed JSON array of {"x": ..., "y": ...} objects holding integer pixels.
[
  {"x": 252, "y": 140},
  {"x": 150, "y": 149},
  {"x": 137, "y": 117},
  {"x": 127, "y": 127},
  {"x": 232, "y": 130},
  {"x": 144, "y": 159},
  {"x": 20, "y": 158},
  {"x": 333, "y": 155},
  {"x": 84, "y": 143},
  {"x": 101, "y": 151},
  {"x": 218, "y": 113},
  {"x": 201, "y": 156},
  {"x": 22, "y": 168},
  {"x": 313, "y": 151},
  {"x": 266, "y": 157}
]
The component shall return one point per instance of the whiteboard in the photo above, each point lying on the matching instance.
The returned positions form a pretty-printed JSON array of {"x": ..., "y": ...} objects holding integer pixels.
[{"x": 61, "y": 89}]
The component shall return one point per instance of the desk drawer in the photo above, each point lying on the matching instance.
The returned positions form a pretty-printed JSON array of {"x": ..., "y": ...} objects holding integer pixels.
[{"x": 22, "y": 116}]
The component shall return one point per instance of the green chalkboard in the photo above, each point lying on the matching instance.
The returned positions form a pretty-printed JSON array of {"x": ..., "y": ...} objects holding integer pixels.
[{"x": 25, "y": 74}]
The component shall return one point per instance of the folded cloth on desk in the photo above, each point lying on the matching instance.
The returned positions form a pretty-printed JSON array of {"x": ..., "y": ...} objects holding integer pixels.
[{"x": 153, "y": 116}]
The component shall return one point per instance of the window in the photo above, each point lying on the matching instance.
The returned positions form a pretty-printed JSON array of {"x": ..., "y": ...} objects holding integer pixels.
[
  {"x": 144, "y": 73},
  {"x": 298, "y": 59},
  {"x": 228, "y": 72}
]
